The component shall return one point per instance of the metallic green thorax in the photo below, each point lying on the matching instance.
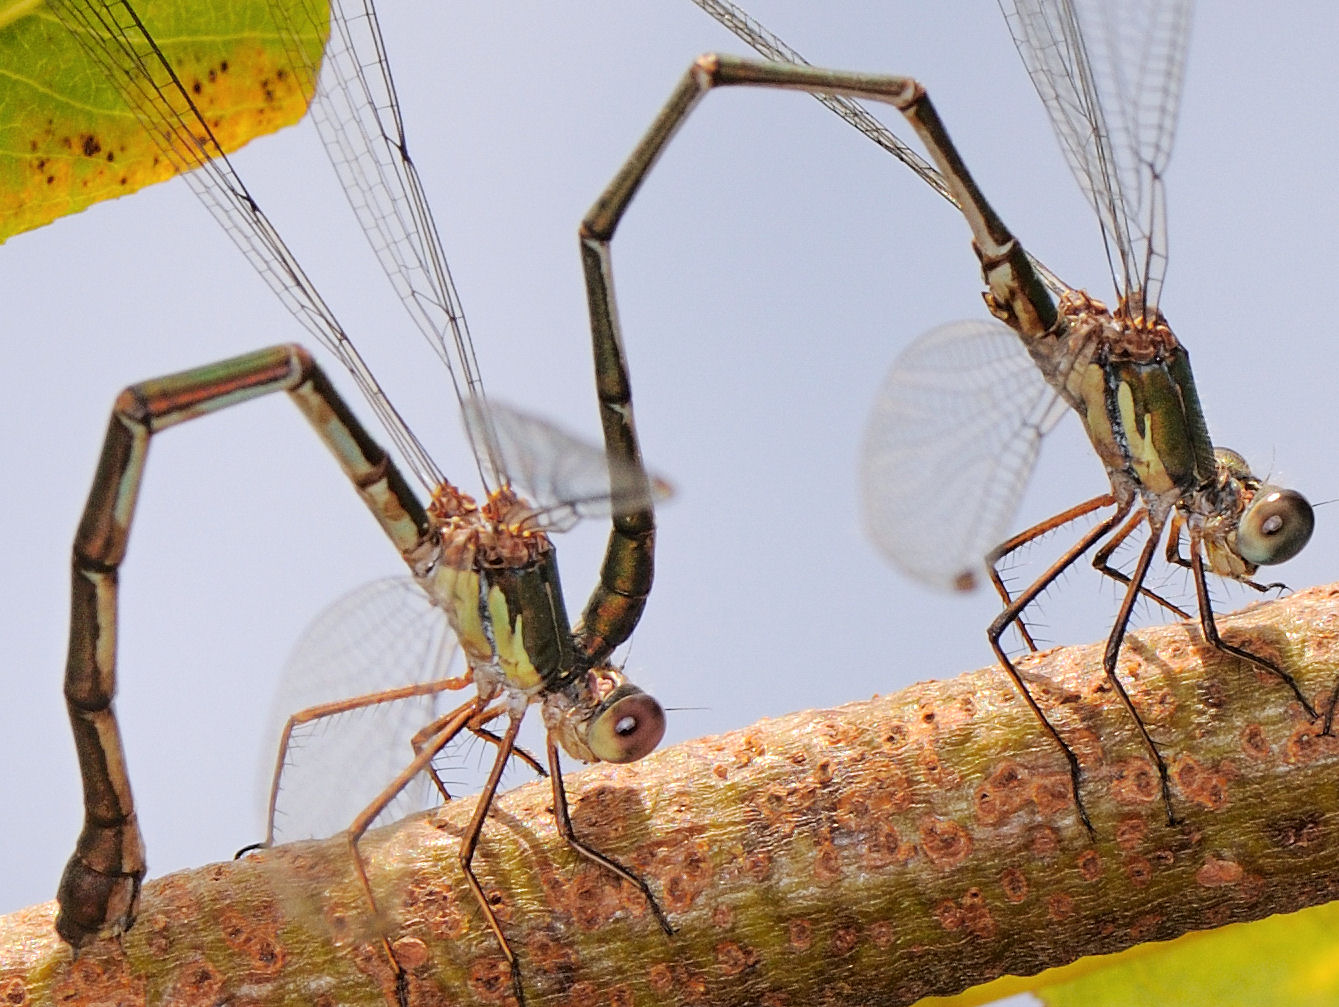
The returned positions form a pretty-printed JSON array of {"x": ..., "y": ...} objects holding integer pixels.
[
  {"x": 1130, "y": 382},
  {"x": 497, "y": 581},
  {"x": 1156, "y": 413},
  {"x": 537, "y": 615}
]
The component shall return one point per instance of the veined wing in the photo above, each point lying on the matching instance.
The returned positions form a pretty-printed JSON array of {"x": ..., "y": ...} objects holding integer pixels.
[
  {"x": 949, "y": 447},
  {"x": 383, "y": 635},
  {"x": 564, "y": 477},
  {"x": 1110, "y": 77},
  {"x": 357, "y": 113}
]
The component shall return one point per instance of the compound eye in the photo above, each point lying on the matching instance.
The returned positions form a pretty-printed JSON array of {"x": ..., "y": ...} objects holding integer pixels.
[
  {"x": 628, "y": 729},
  {"x": 1275, "y": 527}
]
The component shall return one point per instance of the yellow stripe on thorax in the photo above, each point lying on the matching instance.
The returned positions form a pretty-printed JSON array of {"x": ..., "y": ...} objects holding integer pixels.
[
  {"x": 457, "y": 592},
  {"x": 1141, "y": 431},
  {"x": 510, "y": 641}
]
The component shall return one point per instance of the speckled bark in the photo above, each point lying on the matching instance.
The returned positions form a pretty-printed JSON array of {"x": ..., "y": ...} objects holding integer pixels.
[{"x": 913, "y": 844}]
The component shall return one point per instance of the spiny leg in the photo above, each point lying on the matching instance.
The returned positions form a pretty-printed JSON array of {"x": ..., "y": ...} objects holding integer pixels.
[
  {"x": 1112, "y": 654},
  {"x": 1013, "y": 612},
  {"x": 470, "y": 842},
  {"x": 1176, "y": 524},
  {"x": 475, "y": 727},
  {"x": 452, "y": 724},
  {"x": 1017, "y": 542},
  {"x": 1210, "y": 630},
  {"x": 335, "y": 708},
  {"x": 1102, "y": 565},
  {"x": 563, "y": 819},
  {"x": 99, "y": 889}
]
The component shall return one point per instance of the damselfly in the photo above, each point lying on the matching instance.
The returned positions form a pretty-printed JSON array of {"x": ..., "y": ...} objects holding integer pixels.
[
  {"x": 490, "y": 568},
  {"x": 965, "y": 407}
]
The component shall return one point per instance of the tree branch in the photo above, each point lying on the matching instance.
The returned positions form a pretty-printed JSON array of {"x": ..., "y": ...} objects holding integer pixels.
[{"x": 913, "y": 844}]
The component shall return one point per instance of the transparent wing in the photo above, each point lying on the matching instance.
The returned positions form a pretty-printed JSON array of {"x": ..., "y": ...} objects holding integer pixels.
[
  {"x": 380, "y": 636},
  {"x": 1110, "y": 77},
  {"x": 949, "y": 447},
  {"x": 118, "y": 42},
  {"x": 565, "y": 477},
  {"x": 357, "y": 114}
]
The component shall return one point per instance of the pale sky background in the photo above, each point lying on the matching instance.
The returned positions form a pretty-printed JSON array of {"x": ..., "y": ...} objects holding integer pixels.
[{"x": 769, "y": 272}]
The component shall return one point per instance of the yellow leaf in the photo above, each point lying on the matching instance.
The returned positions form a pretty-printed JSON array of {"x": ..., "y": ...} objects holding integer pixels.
[
  {"x": 69, "y": 139},
  {"x": 1288, "y": 960}
]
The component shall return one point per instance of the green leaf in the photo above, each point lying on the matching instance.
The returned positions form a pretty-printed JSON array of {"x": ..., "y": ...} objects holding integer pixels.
[{"x": 68, "y": 139}]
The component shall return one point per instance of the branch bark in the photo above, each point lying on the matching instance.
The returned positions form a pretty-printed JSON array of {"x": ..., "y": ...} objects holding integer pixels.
[{"x": 914, "y": 844}]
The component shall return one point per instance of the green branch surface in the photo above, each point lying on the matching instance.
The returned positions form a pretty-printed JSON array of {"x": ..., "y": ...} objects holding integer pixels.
[{"x": 914, "y": 844}]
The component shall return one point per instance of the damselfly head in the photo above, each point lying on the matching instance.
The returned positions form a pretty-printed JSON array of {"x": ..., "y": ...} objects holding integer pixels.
[
  {"x": 605, "y": 718},
  {"x": 1275, "y": 523},
  {"x": 627, "y": 726}
]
